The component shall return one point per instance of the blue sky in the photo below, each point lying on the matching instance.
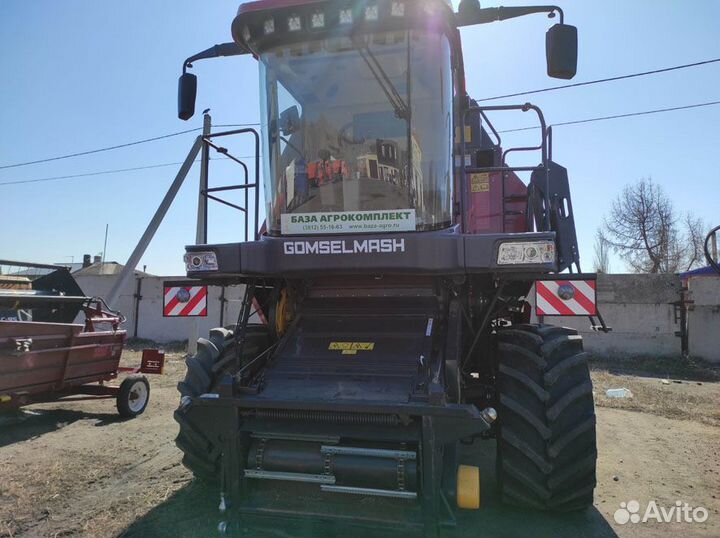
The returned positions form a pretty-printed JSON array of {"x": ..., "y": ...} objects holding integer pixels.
[{"x": 79, "y": 75}]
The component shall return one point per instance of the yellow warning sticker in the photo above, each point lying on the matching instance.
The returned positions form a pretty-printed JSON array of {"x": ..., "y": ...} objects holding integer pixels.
[
  {"x": 468, "y": 134},
  {"x": 480, "y": 182},
  {"x": 351, "y": 348}
]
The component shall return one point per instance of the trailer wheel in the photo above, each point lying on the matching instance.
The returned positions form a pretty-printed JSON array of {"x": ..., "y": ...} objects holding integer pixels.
[
  {"x": 133, "y": 397},
  {"x": 201, "y": 454},
  {"x": 546, "y": 446}
]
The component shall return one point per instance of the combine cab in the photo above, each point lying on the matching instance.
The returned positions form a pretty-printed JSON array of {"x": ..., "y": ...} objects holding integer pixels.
[{"x": 387, "y": 316}]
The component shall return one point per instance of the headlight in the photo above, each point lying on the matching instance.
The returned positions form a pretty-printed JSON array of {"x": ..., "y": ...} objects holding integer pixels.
[
  {"x": 526, "y": 253},
  {"x": 201, "y": 261}
]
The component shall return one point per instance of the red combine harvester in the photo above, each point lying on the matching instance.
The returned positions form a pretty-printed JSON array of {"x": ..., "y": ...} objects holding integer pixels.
[
  {"x": 393, "y": 294},
  {"x": 45, "y": 356}
]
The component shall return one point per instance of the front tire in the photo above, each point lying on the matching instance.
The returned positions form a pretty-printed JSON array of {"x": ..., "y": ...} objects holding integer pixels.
[
  {"x": 201, "y": 454},
  {"x": 546, "y": 418}
]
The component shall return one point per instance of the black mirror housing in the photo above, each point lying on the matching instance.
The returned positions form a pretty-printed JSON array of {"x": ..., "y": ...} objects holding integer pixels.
[
  {"x": 561, "y": 45},
  {"x": 187, "y": 93},
  {"x": 290, "y": 120}
]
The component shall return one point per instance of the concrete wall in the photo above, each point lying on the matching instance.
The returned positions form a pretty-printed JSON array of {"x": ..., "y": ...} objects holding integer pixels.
[
  {"x": 151, "y": 323},
  {"x": 639, "y": 310},
  {"x": 705, "y": 318}
]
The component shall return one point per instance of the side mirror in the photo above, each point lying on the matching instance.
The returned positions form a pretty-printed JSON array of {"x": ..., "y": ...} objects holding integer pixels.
[
  {"x": 290, "y": 120},
  {"x": 561, "y": 44},
  {"x": 187, "y": 93}
]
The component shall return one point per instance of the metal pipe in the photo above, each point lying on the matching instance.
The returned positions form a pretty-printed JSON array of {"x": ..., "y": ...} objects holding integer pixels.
[
  {"x": 483, "y": 325},
  {"x": 138, "y": 298},
  {"x": 152, "y": 228},
  {"x": 107, "y": 228},
  {"x": 463, "y": 171},
  {"x": 202, "y": 211},
  {"x": 493, "y": 14},
  {"x": 222, "y": 306},
  {"x": 32, "y": 265}
]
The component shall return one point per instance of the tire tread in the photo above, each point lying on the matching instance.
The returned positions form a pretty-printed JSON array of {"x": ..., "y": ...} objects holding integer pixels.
[{"x": 546, "y": 419}]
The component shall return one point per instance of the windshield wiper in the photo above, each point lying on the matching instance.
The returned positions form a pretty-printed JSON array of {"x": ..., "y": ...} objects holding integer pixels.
[{"x": 401, "y": 109}]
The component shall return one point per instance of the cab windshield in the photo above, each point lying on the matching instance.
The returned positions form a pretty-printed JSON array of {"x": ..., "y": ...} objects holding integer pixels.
[{"x": 358, "y": 134}]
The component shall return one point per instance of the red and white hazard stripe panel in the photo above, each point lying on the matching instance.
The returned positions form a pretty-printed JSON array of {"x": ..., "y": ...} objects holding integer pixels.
[
  {"x": 185, "y": 301},
  {"x": 566, "y": 298}
]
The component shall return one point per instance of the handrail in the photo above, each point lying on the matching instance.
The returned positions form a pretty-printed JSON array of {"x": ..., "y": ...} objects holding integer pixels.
[
  {"x": 245, "y": 186},
  {"x": 543, "y": 147}
]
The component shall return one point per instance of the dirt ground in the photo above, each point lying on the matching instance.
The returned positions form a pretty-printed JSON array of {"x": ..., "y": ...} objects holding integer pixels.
[{"x": 73, "y": 469}]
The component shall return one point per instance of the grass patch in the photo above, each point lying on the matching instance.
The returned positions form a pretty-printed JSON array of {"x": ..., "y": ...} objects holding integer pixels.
[
  {"x": 138, "y": 344},
  {"x": 662, "y": 367},
  {"x": 684, "y": 400}
]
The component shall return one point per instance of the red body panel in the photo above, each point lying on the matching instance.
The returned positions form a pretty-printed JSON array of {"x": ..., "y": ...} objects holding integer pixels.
[
  {"x": 153, "y": 361},
  {"x": 486, "y": 210},
  {"x": 59, "y": 356}
]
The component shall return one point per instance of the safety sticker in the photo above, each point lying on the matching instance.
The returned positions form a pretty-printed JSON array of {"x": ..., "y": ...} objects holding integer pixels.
[
  {"x": 351, "y": 348},
  {"x": 480, "y": 182}
]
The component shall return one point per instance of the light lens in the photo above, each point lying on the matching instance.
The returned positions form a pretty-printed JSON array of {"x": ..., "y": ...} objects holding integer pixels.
[
  {"x": 398, "y": 9},
  {"x": 346, "y": 16},
  {"x": 372, "y": 13},
  {"x": 269, "y": 26},
  {"x": 294, "y": 23},
  {"x": 318, "y": 20},
  {"x": 526, "y": 253},
  {"x": 246, "y": 33},
  {"x": 200, "y": 262}
]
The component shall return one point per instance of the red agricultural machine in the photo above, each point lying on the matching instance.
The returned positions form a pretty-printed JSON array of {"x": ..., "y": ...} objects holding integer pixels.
[
  {"x": 45, "y": 355},
  {"x": 393, "y": 298}
]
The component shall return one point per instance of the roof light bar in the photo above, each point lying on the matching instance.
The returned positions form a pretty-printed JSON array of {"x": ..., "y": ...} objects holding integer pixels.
[{"x": 257, "y": 28}]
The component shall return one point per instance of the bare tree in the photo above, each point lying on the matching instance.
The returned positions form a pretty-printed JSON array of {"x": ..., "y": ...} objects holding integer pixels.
[
  {"x": 644, "y": 229},
  {"x": 602, "y": 253},
  {"x": 696, "y": 231}
]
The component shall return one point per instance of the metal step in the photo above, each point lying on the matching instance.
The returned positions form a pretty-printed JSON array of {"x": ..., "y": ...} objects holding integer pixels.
[
  {"x": 369, "y": 492},
  {"x": 369, "y": 452},
  {"x": 290, "y": 477}
]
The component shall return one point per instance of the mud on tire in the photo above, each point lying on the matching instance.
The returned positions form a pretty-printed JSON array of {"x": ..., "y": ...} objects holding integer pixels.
[
  {"x": 546, "y": 417},
  {"x": 200, "y": 454}
]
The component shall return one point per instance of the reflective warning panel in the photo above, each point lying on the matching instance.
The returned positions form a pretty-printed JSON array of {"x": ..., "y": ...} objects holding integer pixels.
[
  {"x": 184, "y": 301},
  {"x": 566, "y": 298}
]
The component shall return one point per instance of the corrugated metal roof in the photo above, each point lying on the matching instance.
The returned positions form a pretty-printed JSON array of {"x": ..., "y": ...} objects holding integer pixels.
[{"x": 703, "y": 271}]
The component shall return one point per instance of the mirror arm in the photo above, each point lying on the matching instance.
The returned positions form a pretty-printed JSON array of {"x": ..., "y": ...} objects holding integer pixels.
[
  {"x": 492, "y": 14},
  {"x": 224, "y": 49}
]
